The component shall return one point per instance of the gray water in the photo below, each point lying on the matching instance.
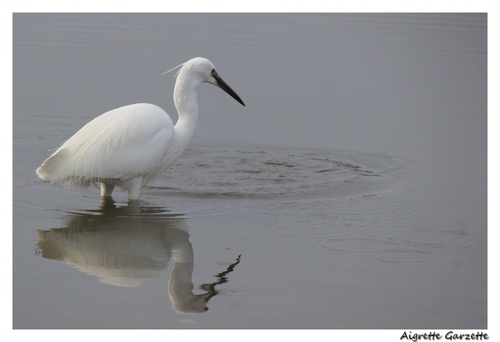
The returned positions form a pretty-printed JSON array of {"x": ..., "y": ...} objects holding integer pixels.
[{"x": 350, "y": 193}]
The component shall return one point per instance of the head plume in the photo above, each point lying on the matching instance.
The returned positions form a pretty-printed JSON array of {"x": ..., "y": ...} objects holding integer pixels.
[{"x": 177, "y": 67}]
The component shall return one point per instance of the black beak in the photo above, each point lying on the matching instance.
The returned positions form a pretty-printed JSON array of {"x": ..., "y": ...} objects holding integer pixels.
[{"x": 223, "y": 85}]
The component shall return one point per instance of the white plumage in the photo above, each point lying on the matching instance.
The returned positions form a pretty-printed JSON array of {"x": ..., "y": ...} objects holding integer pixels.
[{"x": 129, "y": 146}]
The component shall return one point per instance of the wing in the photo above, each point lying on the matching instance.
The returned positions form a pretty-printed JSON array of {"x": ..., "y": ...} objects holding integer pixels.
[{"x": 120, "y": 144}]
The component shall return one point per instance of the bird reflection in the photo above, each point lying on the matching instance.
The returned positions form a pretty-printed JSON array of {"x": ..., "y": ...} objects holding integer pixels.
[{"x": 127, "y": 246}]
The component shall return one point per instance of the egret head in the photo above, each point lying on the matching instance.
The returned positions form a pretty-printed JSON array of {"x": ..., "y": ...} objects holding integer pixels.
[{"x": 203, "y": 71}]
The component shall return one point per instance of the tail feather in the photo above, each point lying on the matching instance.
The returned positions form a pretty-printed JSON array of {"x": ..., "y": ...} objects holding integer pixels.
[{"x": 52, "y": 170}]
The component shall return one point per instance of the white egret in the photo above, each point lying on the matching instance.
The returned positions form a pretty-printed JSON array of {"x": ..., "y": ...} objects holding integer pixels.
[{"x": 131, "y": 145}]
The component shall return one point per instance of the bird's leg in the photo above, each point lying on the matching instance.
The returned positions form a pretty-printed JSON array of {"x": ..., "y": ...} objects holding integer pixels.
[
  {"x": 134, "y": 188},
  {"x": 106, "y": 189}
]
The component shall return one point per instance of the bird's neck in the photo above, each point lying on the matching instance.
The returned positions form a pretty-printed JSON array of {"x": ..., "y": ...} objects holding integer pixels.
[
  {"x": 186, "y": 98},
  {"x": 186, "y": 103}
]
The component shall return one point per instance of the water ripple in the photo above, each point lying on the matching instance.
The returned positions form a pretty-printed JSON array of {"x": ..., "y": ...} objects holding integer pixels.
[
  {"x": 401, "y": 256},
  {"x": 258, "y": 174}
]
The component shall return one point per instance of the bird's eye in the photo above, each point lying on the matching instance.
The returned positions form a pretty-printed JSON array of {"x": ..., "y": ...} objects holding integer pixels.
[{"x": 213, "y": 73}]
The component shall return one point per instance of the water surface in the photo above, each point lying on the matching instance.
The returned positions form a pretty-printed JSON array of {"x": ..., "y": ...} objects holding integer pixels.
[{"x": 350, "y": 193}]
